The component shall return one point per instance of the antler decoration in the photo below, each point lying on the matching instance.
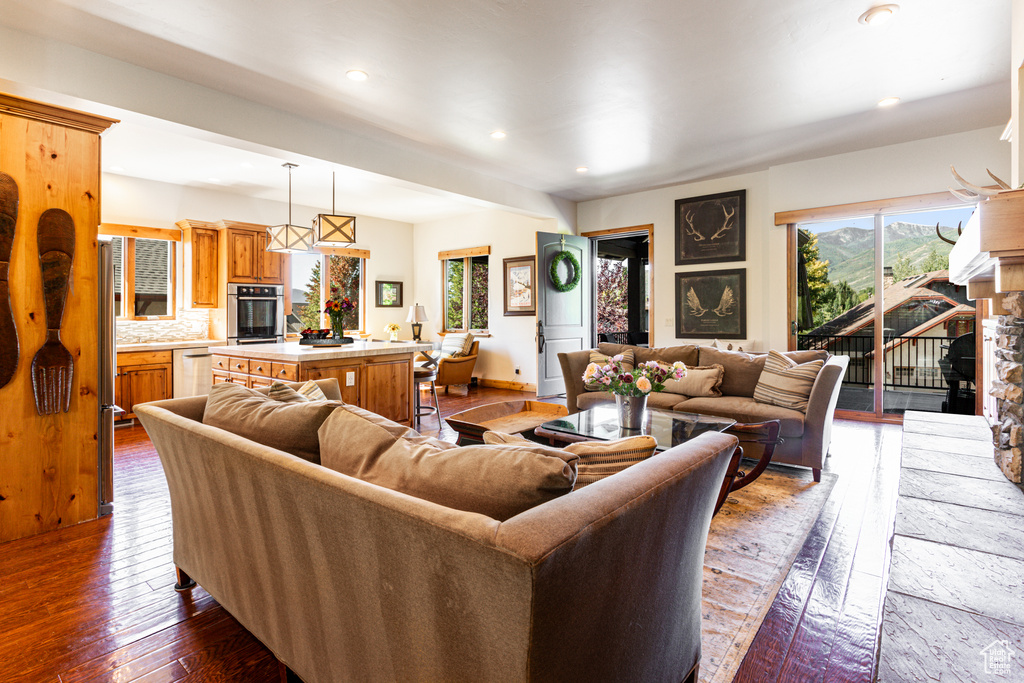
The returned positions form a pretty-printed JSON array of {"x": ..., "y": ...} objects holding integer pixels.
[
  {"x": 692, "y": 231},
  {"x": 944, "y": 239},
  {"x": 972, "y": 193},
  {"x": 725, "y": 224}
]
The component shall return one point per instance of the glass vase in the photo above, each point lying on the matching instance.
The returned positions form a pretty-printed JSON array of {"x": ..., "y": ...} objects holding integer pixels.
[
  {"x": 337, "y": 328},
  {"x": 394, "y": 336},
  {"x": 631, "y": 411}
]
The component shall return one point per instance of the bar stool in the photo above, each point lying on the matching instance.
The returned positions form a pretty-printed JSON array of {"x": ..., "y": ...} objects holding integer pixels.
[{"x": 422, "y": 375}]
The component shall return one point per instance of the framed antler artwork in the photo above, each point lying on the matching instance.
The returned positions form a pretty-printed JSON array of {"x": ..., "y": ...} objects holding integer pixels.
[
  {"x": 712, "y": 304},
  {"x": 711, "y": 228}
]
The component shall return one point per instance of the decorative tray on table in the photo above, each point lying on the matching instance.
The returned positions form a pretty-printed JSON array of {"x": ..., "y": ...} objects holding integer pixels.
[{"x": 322, "y": 338}]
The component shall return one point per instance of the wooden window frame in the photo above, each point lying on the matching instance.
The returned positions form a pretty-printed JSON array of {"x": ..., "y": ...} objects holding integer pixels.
[
  {"x": 128, "y": 235},
  {"x": 466, "y": 256},
  {"x": 325, "y": 282}
]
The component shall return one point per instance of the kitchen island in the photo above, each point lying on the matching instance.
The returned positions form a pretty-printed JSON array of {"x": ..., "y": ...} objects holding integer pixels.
[{"x": 377, "y": 376}]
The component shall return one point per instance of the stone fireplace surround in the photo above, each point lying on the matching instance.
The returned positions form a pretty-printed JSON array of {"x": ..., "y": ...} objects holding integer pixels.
[{"x": 1007, "y": 388}]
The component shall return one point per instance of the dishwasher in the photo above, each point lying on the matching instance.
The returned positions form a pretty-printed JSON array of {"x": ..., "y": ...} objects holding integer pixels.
[{"x": 193, "y": 371}]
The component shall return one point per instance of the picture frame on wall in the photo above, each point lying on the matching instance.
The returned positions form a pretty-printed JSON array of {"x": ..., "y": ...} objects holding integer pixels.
[
  {"x": 520, "y": 276},
  {"x": 711, "y": 228},
  {"x": 389, "y": 294},
  {"x": 711, "y": 304}
]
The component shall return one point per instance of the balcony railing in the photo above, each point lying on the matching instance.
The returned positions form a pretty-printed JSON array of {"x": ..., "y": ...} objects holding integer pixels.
[{"x": 910, "y": 362}]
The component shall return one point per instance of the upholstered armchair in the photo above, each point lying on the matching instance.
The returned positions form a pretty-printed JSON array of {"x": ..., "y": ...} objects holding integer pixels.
[{"x": 455, "y": 370}]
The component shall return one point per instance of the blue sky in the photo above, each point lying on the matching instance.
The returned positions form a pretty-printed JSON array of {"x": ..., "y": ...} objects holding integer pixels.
[{"x": 947, "y": 218}]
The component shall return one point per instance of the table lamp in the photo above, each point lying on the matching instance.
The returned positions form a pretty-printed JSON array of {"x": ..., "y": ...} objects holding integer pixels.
[{"x": 417, "y": 316}]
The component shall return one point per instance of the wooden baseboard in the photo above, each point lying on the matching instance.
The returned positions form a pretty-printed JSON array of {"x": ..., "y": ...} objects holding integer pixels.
[{"x": 505, "y": 384}]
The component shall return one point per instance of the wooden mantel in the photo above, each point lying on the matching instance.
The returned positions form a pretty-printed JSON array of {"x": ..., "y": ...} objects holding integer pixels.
[{"x": 989, "y": 255}]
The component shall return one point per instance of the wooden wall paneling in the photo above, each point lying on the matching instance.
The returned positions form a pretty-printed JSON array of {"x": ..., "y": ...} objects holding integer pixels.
[{"x": 48, "y": 465}]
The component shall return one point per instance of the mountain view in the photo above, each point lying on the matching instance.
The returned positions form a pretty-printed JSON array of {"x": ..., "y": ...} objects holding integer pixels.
[{"x": 850, "y": 251}]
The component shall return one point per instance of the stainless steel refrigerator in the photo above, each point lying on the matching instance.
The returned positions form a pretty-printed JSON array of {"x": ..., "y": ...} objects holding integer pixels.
[{"x": 107, "y": 368}]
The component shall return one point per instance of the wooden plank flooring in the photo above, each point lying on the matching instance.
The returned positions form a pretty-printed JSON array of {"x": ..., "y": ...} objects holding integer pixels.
[{"x": 95, "y": 602}]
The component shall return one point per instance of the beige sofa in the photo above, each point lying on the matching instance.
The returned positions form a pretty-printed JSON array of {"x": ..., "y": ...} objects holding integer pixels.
[
  {"x": 346, "y": 580},
  {"x": 806, "y": 437}
]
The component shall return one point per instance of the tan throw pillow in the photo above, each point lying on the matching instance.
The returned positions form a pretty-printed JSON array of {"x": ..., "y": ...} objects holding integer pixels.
[
  {"x": 498, "y": 438},
  {"x": 497, "y": 481},
  {"x": 600, "y": 459},
  {"x": 290, "y": 427},
  {"x": 456, "y": 344},
  {"x": 785, "y": 383},
  {"x": 704, "y": 381},
  {"x": 285, "y": 394},
  {"x": 312, "y": 391},
  {"x": 627, "y": 363}
]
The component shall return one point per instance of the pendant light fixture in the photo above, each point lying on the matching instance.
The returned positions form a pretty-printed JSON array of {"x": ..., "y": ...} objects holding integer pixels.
[
  {"x": 331, "y": 230},
  {"x": 288, "y": 238}
]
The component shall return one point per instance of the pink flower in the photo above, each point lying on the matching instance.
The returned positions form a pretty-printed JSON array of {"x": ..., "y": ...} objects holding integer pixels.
[{"x": 644, "y": 385}]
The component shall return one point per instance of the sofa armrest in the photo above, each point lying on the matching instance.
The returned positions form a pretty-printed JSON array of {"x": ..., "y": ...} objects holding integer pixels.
[
  {"x": 573, "y": 364},
  {"x": 821, "y": 408}
]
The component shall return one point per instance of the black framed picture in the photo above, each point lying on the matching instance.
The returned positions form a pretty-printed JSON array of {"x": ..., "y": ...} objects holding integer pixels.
[
  {"x": 389, "y": 294},
  {"x": 712, "y": 304},
  {"x": 711, "y": 228},
  {"x": 520, "y": 297}
]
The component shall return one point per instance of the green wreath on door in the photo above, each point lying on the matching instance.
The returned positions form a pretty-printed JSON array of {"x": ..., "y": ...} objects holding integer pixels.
[{"x": 576, "y": 271}]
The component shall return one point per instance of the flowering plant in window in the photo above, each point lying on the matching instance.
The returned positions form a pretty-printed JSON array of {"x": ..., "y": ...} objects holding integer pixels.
[
  {"x": 638, "y": 381},
  {"x": 336, "y": 308}
]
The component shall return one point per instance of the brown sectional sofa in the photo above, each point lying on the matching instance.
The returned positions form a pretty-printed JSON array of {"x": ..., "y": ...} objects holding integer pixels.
[
  {"x": 347, "y": 580},
  {"x": 806, "y": 437}
]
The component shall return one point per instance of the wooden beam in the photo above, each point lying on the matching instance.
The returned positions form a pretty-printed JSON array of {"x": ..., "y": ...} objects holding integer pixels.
[
  {"x": 981, "y": 289},
  {"x": 463, "y": 253},
  {"x": 140, "y": 232},
  {"x": 1009, "y": 275},
  {"x": 185, "y": 223},
  {"x": 49, "y": 113},
  {"x": 935, "y": 200},
  {"x": 331, "y": 251},
  {"x": 649, "y": 229}
]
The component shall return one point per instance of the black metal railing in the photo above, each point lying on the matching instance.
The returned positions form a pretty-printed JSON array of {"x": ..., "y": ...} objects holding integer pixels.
[
  {"x": 632, "y": 338},
  {"x": 910, "y": 362}
]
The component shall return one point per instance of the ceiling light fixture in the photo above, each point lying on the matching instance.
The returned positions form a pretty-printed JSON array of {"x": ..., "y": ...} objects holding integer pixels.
[
  {"x": 357, "y": 75},
  {"x": 878, "y": 15},
  {"x": 330, "y": 230},
  {"x": 499, "y": 135},
  {"x": 288, "y": 238},
  {"x": 582, "y": 169},
  {"x": 888, "y": 101}
]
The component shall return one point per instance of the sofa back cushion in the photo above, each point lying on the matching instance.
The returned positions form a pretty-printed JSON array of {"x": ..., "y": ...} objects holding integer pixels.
[
  {"x": 786, "y": 383},
  {"x": 627, "y": 363},
  {"x": 687, "y": 353},
  {"x": 743, "y": 370},
  {"x": 289, "y": 427},
  {"x": 497, "y": 481},
  {"x": 699, "y": 381}
]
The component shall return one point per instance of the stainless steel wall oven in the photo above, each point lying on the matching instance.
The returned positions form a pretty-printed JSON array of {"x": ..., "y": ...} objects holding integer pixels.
[{"x": 255, "y": 314}]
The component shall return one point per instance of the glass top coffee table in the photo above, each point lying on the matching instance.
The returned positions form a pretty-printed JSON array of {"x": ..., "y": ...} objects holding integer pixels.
[{"x": 601, "y": 423}]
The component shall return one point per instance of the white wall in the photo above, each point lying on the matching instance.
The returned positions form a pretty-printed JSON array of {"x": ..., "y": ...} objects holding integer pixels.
[
  {"x": 143, "y": 202},
  {"x": 508, "y": 235},
  {"x": 909, "y": 168}
]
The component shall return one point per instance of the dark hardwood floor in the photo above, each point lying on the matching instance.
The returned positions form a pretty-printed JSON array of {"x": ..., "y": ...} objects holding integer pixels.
[{"x": 94, "y": 602}]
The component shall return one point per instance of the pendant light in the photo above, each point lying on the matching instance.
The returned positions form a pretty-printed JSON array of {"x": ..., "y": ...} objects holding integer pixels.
[
  {"x": 331, "y": 230},
  {"x": 288, "y": 238}
]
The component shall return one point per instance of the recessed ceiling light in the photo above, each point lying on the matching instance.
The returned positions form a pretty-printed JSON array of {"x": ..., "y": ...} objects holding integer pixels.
[
  {"x": 357, "y": 75},
  {"x": 499, "y": 135},
  {"x": 878, "y": 15},
  {"x": 117, "y": 169},
  {"x": 582, "y": 169},
  {"x": 888, "y": 101}
]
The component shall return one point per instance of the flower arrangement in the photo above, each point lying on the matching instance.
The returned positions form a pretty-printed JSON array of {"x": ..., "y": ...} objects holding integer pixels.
[
  {"x": 336, "y": 308},
  {"x": 640, "y": 381},
  {"x": 392, "y": 328}
]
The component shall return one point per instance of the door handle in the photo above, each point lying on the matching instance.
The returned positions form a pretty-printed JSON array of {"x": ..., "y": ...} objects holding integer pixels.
[{"x": 540, "y": 337}]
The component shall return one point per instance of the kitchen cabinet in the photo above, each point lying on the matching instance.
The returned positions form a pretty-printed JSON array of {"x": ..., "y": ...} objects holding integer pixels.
[
  {"x": 200, "y": 267},
  {"x": 142, "y": 377},
  {"x": 248, "y": 259}
]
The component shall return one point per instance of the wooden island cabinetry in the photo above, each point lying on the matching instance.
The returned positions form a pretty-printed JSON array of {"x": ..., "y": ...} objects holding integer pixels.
[{"x": 377, "y": 376}]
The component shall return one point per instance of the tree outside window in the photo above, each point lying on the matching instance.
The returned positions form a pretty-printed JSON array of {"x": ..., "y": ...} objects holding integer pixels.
[
  {"x": 345, "y": 279},
  {"x": 466, "y": 299}
]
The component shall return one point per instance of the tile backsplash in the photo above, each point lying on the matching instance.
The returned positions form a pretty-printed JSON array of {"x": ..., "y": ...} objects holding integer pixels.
[{"x": 187, "y": 325}]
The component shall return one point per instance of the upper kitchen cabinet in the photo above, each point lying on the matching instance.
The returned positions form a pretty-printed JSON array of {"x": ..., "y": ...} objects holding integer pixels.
[
  {"x": 200, "y": 241},
  {"x": 247, "y": 257}
]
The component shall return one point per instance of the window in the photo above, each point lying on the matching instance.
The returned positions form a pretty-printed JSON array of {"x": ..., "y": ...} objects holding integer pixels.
[
  {"x": 465, "y": 275},
  {"x": 143, "y": 278},
  {"x": 345, "y": 279}
]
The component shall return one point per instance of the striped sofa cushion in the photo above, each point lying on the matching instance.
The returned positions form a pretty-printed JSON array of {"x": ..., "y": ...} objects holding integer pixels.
[
  {"x": 600, "y": 459},
  {"x": 627, "y": 363},
  {"x": 456, "y": 344},
  {"x": 309, "y": 391},
  {"x": 785, "y": 383}
]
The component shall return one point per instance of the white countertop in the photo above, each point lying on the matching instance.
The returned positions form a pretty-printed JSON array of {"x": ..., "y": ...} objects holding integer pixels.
[
  {"x": 169, "y": 345},
  {"x": 293, "y": 352}
]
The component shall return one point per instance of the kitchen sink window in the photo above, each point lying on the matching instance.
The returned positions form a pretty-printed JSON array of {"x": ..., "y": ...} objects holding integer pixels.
[{"x": 143, "y": 278}]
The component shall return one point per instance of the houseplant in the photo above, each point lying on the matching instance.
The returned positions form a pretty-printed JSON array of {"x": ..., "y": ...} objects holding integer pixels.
[
  {"x": 336, "y": 308},
  {"x": 631, "y": 386}
]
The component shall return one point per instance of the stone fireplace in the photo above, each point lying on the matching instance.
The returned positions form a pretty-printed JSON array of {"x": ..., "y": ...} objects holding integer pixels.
[{"x": 1007, "y": 387}]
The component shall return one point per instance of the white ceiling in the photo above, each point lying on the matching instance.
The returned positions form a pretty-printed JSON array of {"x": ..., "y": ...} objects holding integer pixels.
[{"x": 645, "y": 94}]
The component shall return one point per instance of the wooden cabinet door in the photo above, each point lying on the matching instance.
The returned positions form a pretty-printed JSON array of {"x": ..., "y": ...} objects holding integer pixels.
[
  {"x": 348, "y": 377},
  {"x": 242, "y": 249},
  {"x": 387, "y": 390},
  {"x": 151, "y": 383},
  {"x": 204, "y": 268},
  {"x": 271, "y": 270}
]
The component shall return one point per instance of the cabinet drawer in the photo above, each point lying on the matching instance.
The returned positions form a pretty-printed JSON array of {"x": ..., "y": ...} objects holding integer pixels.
[
  {"x": 222, "y": 363},
  {"x": 263, "y": 368},
  {"x": 238, "y": 378},
  {"x": 286, "y": 372},
  {"x": 220, "y": 377},
  {"x": 240, "y": 365},
  {"x": 259, "y": 382}
]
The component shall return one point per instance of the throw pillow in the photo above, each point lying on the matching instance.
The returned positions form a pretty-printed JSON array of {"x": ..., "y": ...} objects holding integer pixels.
[
  {"x": 786, "y": 383},
  {"x": 700, "y": 381},
  {"x": 456, "y": 344},
  {"x": 497, "y": 438},
  {"x": 627, "y": 363},
  {"x": 600, "y": 459},
  {"x": 312, "y": 391},
  {"x": 497, "y": 481},
  {"x": 280, "y": 391},
  {"x": 290, "y": 427}
]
